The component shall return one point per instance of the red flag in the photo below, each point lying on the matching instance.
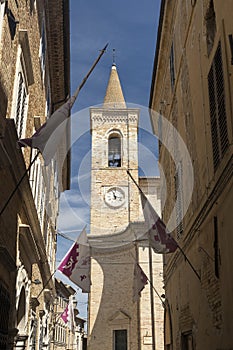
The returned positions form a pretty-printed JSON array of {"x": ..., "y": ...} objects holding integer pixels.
[
  {"x": 159, "y": 238},
  {"x": 76, "y": 263},
  {"x": 140, "y": 280}
]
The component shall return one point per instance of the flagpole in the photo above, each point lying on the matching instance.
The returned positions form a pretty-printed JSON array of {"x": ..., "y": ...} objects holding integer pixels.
[
  {"x": 71, "y": 102},
  {"x": 181, "y": 250},
  {"x": 73, "y": 98},
  {"x": 189, "y": 262},
  {"x": 46, "y": 283},
  {"x": 140, "y": 190},
  {"x": 19, "y": 183},
  {"x": 150, "y": 280}
]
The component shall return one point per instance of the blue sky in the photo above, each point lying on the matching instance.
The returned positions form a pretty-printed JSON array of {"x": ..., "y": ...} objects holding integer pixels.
[{"x": 130, "y": 27}]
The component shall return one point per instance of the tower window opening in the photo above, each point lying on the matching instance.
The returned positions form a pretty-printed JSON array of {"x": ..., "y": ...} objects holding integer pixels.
[{"x": 114, "y": 151}]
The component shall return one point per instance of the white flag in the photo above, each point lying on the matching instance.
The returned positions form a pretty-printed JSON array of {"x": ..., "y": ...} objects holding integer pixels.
[
  {"x": 160, "y": 239},
  {"x": 68, "y": 316},
  {"x": 76, "y": 263},
  {"x": 48, "y": 137},
  {"x": 139, "y": 282}
]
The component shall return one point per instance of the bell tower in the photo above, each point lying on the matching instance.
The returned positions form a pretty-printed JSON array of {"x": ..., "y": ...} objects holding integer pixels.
[
  {"x": 118, "y": 319},
  {"x": 113, "y": 314},
  {"x": 114, "y": 128}
]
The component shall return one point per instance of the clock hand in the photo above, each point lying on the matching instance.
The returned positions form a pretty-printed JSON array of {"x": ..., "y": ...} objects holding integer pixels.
[{"x": 118, "y": 196}]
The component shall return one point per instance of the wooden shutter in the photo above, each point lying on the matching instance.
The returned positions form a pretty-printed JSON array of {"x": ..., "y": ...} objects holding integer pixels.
[{"x": 217, "y": 107}]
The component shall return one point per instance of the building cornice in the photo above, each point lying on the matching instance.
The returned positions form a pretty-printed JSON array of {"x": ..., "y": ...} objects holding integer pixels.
[
  {"x": 134, "y": 233},
  {"x": 100, "y": 116}
]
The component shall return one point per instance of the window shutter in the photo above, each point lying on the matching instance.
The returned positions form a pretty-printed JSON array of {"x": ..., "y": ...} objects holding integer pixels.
[
  {"x": 172, "y": 66},
  {"x": 213, "y": 117},
  {"x": 20, "y": 106},
  {"x": 217, "y": 107},
  {"x": 19, "y": 95},
  {"x": 179, "y": 200},
  {"x": 221, "y": 100}
]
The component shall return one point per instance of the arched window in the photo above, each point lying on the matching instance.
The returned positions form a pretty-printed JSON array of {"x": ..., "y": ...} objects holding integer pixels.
[{"x": 114, "y": 150}]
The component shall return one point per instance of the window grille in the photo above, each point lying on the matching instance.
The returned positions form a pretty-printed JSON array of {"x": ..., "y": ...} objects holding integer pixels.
[{"x": 217, "y": 107}]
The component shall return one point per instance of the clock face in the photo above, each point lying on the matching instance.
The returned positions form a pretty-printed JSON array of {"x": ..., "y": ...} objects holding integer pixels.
[{"x": 115, "y": 197}]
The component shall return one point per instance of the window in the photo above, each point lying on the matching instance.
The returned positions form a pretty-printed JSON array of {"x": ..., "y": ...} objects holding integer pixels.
[
  {"x": 2, "y": 12},
  {"x": 20, "y": 105},
  {"x": 33, "y": 331},
  {"x": 38, "y": 187},
  {"x": 217, "y": 107},
  {"x": 120, "y": 339},
  {"x": 21, "y": 312},
  {"x": 12, "y": 22},
  {"x": 42, "y": 51},
  {"x": 216, "y": 248},
  {"x": 210, "y": 26},
  {"x": 32, "y": 6},
  {"x": 179, "y": 199},
  {"x": 187, "y": 341},
  {"x": 20, "y": 99},
  {"x": 114, "y": 150},
  {"x": 4, "y": 316},
  {"x": 48, "y": 101},
  {"x": 172, "y": 66}
]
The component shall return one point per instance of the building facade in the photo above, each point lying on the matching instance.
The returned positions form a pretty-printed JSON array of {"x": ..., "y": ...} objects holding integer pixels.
[
  {"x": 34, "y": 81},
  {"x": 70, "y": 334},
  {"x": 191, "y": 113},
  {"x": 117, "y": 316}
]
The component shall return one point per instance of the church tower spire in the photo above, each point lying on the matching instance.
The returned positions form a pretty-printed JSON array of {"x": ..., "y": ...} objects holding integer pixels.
[
  {"x": 114, "y": 97},
  {"x": 114, "y": 208}
]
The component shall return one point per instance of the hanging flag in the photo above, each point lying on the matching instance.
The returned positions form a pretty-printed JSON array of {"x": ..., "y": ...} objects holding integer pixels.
[
  {"x": 48, "y": 137},
  {"x": 140, "y": 280},
  {"x": 159, "y": 238},
  {"x": 68, "y": 316},
  {"x": 76, "y": 263}
]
